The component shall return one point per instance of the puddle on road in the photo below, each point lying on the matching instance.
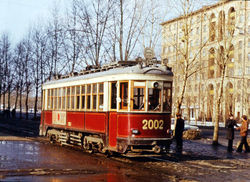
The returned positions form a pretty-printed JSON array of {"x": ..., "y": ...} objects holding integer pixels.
[{"x": 34, "y": 161}]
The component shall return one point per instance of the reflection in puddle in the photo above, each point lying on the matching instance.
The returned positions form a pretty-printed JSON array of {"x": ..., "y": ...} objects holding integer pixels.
[{"x": 34, "y": 161}]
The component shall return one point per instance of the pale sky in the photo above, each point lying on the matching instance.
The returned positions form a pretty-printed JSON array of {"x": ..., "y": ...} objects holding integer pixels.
[{"x": 16, "y": 16}]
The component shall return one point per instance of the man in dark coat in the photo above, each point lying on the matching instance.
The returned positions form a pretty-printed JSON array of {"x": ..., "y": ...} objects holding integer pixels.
[
  {"x": 179, "y": 128},
  {"x": 230, "y": 132}
]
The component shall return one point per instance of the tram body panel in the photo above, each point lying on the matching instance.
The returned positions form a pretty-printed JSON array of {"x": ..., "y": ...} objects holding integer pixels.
[
  {"x": 95, "y": 122},
  {"x": 112, "y": 129},
  {"x": 75, "y": 120}
]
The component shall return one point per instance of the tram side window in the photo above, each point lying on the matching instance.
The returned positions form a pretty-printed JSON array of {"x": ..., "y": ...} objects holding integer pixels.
[
  {"x": 124, "y": 95},
  {"x": 113, "y": 95},
  {"x": 100, "y": 96},
  {"x": 63, "y": 98},
  {"x": 68, "y": 97},
  {"x": 77, "y": 97},
  {"x": 55, "y": 98},
  {"x": 167, "y": 97},
  {"x": 83, "y": 97},
  {"x": 73, "y": 98},
  {"x": 94, "y": 96},
  {"x": 88, "y": 96},
  {"x": 52, "y": 98},
  {"x": 138, "y": 98},
  {"x": 49, "y": 99},
  {"x": 154, "y": 99},
  {"x": 60, "y": 98}
]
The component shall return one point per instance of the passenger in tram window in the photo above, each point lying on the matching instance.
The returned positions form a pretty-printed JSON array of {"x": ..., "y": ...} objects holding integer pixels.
[{"x": 154, "y": 97}]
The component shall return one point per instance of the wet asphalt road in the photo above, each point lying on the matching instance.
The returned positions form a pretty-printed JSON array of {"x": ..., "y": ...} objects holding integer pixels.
[{"x": 35, "y": 159}]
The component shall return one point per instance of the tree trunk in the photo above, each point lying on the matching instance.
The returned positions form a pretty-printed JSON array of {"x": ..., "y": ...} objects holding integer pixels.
[
  {"x": 121, "y": 31},
  {"x": 20, "y": 101},
  {"x": 3, "y": 96},
  {"x": 27, "y": 102},
  {"x": 9, "y": 96},
  {"x": 0, "y": 94},
  {"x": 217, "y": 111},
  {"x": 36, "y": 101},
  {"x": 17, "y": 92}
]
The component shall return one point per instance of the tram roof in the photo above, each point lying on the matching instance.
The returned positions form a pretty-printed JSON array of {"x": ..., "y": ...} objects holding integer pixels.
[{"x": 156, "y": 70}]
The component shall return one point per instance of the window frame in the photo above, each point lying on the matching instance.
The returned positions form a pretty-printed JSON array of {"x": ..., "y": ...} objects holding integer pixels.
[
  {"x": 99, "y": 94},
  {"x": 121, "y": 106},
  {"x": 132, "y": 95},
  {"x": 111, "y": 95}
]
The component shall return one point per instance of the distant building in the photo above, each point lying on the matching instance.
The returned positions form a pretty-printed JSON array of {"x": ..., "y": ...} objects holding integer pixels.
[{"x": 210, "y": 24}]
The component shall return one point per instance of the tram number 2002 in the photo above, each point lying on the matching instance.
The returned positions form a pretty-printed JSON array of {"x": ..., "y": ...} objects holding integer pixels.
[{"x": 152, "y": 124}]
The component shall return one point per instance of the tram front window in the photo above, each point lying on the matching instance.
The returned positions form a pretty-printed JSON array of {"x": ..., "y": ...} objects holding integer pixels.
[
  {"x": 138, "y": 99},
  {"x": 124, "y": 95},
  {"x": 113, "y": 95},
  {"x": 167, "y": 97},
  {"x": 154, "y": 103}
]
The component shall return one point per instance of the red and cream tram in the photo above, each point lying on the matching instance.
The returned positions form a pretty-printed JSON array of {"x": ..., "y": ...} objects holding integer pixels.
[{"x": 123, "y": 109}]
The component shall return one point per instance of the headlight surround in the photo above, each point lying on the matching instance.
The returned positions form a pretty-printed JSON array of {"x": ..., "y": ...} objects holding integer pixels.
[{"x": 135, "y": 131}]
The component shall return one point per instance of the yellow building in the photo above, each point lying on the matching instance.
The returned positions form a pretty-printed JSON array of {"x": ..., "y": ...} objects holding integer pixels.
[{"x": 205, "y": 34}]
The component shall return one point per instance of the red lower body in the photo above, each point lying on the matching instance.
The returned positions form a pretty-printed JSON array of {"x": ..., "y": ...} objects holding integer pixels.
[{"x": 118, "y": 130}]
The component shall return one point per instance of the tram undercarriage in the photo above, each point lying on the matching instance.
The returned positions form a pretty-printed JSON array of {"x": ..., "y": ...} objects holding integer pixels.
[{"x": 95, "y": 143}]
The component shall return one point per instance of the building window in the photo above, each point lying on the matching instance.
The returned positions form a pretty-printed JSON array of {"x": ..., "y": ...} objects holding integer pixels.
[
  {"x": 238, "y": 97},
  {"x": 241, "y": 19},
  {"x": 248, "y": 43},
  {"x": 248, "y": 70},
  {"x": 205, "y": 28},
  {"x": 204, "y": 52},
  {"x": 212, "y": 27},
  {"x": 197, "y": 42},
  {"x": 196, "y": 87},
  {"x": 248, "y": 56},
  {"x": 239, "y": 57},
  {"x": 239, "y": 84},
  {"x": 197, "y": 30},
  {"x": 240, "y": 44},
  {"x": 191, "y": 43}
]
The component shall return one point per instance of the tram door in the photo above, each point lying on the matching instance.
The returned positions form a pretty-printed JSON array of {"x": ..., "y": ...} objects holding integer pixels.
[{"x": 113, "y": 115}]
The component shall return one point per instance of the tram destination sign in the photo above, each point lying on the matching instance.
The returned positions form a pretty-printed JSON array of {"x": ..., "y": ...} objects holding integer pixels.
[{"x": 59, "y": 117}]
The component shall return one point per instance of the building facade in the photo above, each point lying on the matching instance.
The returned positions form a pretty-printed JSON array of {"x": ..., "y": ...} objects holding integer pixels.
[{"x": 202, "y": 40}]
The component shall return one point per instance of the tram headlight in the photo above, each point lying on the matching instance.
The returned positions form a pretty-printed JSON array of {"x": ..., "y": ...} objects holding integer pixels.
[{"x": 135, "y": 131}]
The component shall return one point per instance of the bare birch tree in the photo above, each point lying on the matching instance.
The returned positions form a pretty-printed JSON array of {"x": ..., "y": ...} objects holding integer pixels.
[
  {"x": 188, "y": 60},
  {"x": 129, "y": 23},
  {"x": 224, "y": 61}
]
